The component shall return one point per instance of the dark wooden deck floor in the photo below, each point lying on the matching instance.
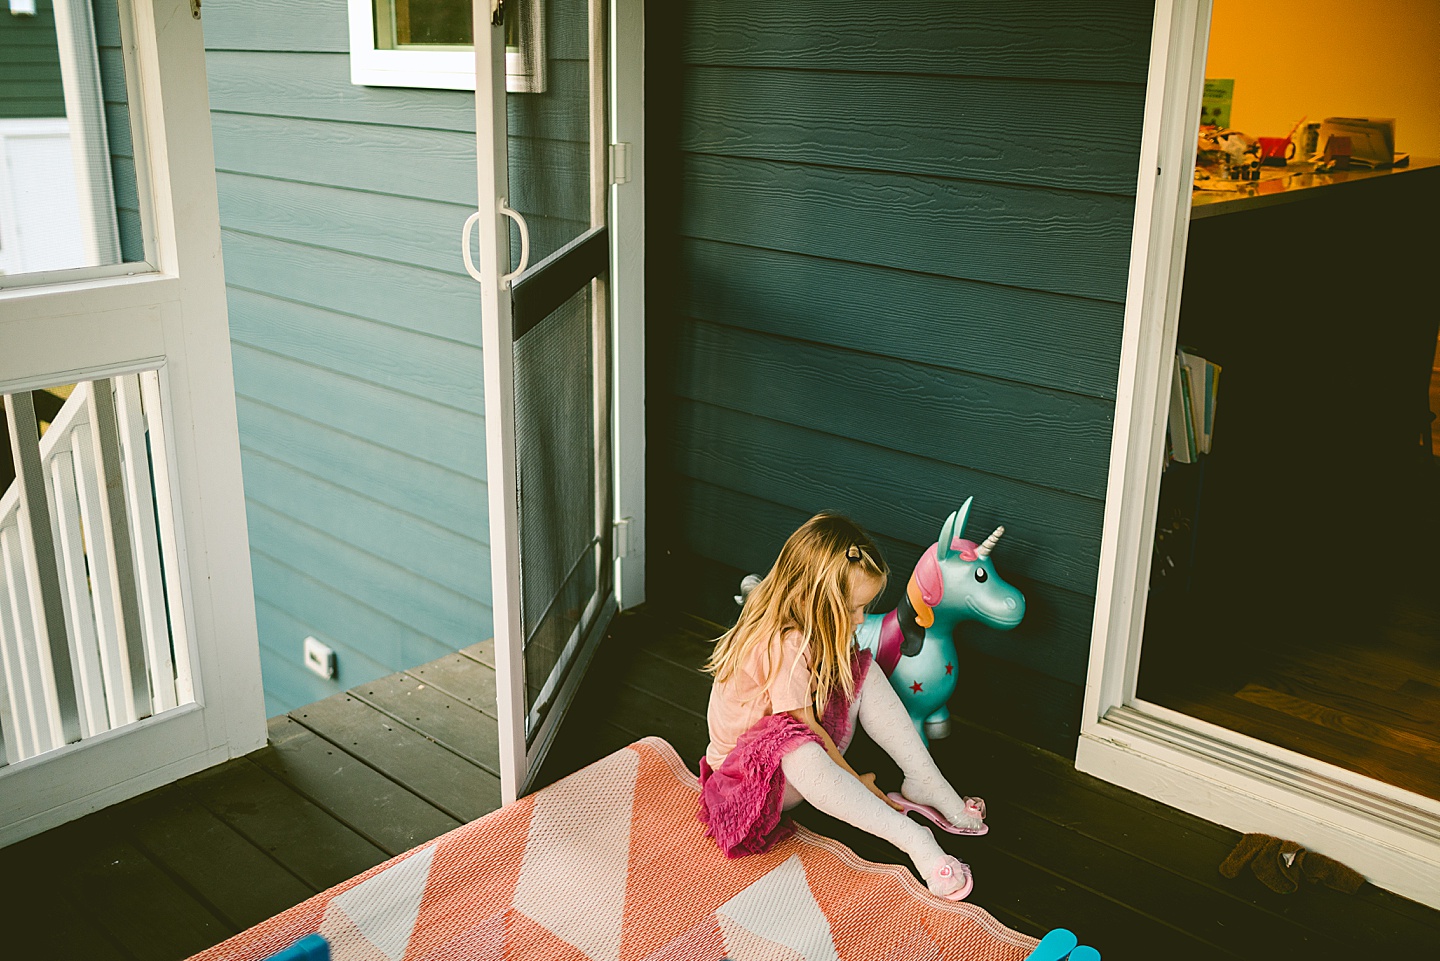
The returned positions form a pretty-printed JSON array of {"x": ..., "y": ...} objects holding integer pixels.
[
  {"x": 349, "y": 781},
  {"x": 344, "y": 784}
]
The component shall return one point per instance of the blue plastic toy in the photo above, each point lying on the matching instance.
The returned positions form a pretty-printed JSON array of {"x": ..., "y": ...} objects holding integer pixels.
[
  {"x": 1059, "y": 944},
  {"x": 312, "y": 947},
  {"x": 914, "y": 644},
  {"x": 1055, "y": 946}
]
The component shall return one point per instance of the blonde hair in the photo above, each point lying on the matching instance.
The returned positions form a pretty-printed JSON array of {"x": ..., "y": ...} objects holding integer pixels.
[{"x": 807, "y": 590}]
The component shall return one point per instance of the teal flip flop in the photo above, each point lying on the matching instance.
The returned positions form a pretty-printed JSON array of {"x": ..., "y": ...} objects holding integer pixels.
[
  {"x": 1084, "y": 953},
  {"x": 1055, "y": 946}
]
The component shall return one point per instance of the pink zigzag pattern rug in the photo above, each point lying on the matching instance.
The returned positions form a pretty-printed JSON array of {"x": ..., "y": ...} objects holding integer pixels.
[{"x": 611, "y": 864}]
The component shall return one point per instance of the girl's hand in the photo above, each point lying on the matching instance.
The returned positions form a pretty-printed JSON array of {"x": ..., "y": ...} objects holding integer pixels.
[{"x": 869, "y": 781}]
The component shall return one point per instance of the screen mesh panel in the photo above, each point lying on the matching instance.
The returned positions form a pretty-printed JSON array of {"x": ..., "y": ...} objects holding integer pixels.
[{"x": 554, "y": 449}]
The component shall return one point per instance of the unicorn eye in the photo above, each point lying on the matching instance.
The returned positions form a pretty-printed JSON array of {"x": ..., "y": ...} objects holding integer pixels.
[{"x": 980, "y": 574}]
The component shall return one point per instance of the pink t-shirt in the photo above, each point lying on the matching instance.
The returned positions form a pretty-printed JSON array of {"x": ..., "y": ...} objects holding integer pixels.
[{"x": 769, "y": 682}]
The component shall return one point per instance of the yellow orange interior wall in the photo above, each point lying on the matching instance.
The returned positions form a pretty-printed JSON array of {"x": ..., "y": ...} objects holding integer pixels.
[{"x": 1329, "y": 58}]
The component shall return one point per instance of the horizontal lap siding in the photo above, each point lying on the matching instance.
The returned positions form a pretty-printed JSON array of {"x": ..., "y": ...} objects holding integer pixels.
[
  {"x": 111, "y": 62},
  {"x": 30, "y": 66},
  {"x": 890, "y": 263},
  {"x": 356, "y": 341}
]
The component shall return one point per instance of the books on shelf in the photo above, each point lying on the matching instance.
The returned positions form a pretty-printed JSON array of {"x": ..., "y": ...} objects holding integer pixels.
[{"x": 1194, "y": 387}]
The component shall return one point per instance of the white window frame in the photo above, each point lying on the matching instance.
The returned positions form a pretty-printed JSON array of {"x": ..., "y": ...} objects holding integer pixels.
[
  {"x": 443, "y": 68},
  {"x": 1390, "y": 835}
]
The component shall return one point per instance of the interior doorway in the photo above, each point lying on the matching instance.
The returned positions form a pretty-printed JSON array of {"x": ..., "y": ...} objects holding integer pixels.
[
  {"x": 1303, "y": 375},
  {"x": 1293, "y": 593}
]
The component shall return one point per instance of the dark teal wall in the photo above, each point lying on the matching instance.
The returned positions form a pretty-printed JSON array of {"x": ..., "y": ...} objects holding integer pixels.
[
  {"x": 30, "y": 65},
  {"x": 888, "y": 253},
  {"x": 356, "y": 338}
]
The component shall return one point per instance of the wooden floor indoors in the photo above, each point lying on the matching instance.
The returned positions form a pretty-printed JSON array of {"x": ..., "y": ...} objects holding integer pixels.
[
  {"x": 1348, "y": 674},
  {"x": 1369, "y": 703},
  {"x": 351, "y": 780}
]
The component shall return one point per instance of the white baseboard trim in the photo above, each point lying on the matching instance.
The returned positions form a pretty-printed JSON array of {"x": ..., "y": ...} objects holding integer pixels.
[{"x": 1393, "y": 842}]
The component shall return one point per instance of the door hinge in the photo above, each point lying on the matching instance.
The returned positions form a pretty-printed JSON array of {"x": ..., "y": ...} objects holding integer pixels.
[
  {"x": 619, "y": 163},
  {"x": 622, "y": 536},
  {"x": 195, "y": 9}
]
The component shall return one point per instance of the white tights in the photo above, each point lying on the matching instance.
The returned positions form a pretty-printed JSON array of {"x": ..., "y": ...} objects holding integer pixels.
[{"x": 833, "y": 790}]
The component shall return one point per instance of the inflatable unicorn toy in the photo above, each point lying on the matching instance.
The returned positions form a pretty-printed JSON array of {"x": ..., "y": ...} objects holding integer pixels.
[{"x": 914, "y": 644}]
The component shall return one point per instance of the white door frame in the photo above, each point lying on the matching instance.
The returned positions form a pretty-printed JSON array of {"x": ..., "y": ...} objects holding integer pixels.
[
  {"x": 621, "y": 114},
  {"x": 167, "y": 313},
  {"x": 1390, "y": 835},
  {"x": 627, "y": 294}
]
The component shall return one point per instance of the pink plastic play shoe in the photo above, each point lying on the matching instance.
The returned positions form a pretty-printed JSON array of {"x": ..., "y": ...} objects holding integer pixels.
[
  {"x": 947, "y": 873},
  {"x": 974, "y": 806}
]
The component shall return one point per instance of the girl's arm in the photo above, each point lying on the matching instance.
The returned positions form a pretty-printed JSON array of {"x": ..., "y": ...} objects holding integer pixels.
[{"x": 806, "y": 715}]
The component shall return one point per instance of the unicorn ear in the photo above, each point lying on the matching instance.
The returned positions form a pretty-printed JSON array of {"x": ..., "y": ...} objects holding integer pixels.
[
  {"x": 954, "y": 527},
  {"x": 947, "y": 537}
]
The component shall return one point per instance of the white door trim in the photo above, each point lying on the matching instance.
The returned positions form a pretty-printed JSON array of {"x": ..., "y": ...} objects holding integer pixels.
[
  {"x": 493, "y": 230},
  {"x": 627, "y": 292},
  {"x": 1390, "y": 835}
]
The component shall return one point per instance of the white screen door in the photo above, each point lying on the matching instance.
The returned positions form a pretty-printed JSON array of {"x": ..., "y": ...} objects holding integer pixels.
[
  {"x": 545, "y": 251},
  {"x": 128, "y": 655}
]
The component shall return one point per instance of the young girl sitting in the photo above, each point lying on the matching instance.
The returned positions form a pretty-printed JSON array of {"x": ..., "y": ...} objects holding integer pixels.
[{"x": 789, "y": 687}]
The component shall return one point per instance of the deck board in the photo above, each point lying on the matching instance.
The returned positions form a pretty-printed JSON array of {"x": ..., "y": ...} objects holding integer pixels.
[
  {"x": 135, "y": 900},
  {"x": 299, "y": 834},
  {"x": 446, "y": 720},
  {"x": 349, "y": 781},
  {"x": 463, "y": 678},
  {"x": 187, "y": 841},
  {"x": 482, "y": 653},
  {"x": 463, "y": 791},
  {"x": 385, "y": 813},
  {"x": 79, "y": 939}
]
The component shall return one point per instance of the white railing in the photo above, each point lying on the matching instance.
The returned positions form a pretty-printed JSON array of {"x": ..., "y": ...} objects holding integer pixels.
[{"x": 85, "y": 629}]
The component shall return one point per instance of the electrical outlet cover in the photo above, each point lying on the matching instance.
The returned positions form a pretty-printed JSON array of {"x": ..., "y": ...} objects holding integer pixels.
[{"x": 319, "y": 658}]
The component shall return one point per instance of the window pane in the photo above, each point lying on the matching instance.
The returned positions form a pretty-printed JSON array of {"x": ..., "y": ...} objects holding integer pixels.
[
  {"x": 408, "y": 23},
  {"x": 68, "y": 195}
]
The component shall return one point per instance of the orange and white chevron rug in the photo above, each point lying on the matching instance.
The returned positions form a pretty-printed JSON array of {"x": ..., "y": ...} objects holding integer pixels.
[{"x": 610, "y": 864}]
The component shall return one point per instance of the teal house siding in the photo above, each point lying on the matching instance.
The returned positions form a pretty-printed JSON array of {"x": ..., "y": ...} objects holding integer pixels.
[
  {"x": 888, "y": 260},
  {"x": 111, "y": 59},
  {"x": 30, "y": 65},
  {"x": 356, "y": 339}
]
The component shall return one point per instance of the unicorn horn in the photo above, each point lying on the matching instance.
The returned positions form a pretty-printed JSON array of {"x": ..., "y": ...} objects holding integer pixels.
[{"x": 984, "y": 549}]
